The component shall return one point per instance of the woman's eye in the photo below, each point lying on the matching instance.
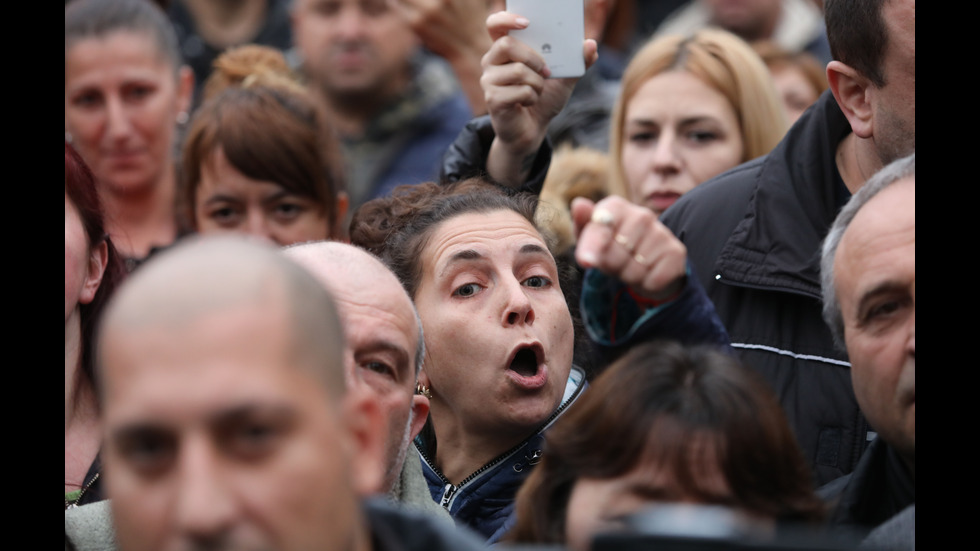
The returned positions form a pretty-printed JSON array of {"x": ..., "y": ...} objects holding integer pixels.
[
  {"x": 89, "y": 98},
  {"x": 224, "y": 216},
  {"x": 537, "y": 281},
  {"x": 288, "y": 211},
  {"x": 138, "y": 92},
  {"x": 467, "y": 290},
  {"x": 642, "y": 137},
  {"x": 702, "y": 136}
]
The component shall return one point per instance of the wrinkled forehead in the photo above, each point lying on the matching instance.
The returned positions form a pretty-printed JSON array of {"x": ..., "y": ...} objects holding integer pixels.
[{"x": 482, "y": 235}]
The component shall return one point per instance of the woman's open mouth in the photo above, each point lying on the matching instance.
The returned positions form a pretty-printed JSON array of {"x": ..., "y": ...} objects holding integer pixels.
[{"x": 527, "y": 367}]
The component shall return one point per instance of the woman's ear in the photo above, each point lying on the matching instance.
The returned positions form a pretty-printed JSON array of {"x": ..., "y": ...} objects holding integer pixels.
[
  {"x": 185, "y": 89},
  {"x": 97, "y": 261}
]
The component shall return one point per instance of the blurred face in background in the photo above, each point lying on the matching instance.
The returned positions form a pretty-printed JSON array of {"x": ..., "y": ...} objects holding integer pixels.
[
  {"x": 353, "y": 49},
  {"x": 228, "y": 201},
  {"x": 678, "y": 132},
  {"x": 122, "y": 98}
]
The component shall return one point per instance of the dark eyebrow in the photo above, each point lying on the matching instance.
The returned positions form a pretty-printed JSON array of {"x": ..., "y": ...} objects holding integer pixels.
[
  {"x": 138, "y": 430},
  {"x": 466, "y": 254},
  {"x": 279, "y": 195},
  {"x": 683, "y": 122},
  {"x": 239, "y": 413},
  {"x": 534, "y": 248},
  {"x": 221, "y": 198}
]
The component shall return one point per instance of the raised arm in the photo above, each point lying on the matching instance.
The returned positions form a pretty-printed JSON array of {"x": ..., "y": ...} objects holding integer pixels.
[{"x": 520, "y": 98}]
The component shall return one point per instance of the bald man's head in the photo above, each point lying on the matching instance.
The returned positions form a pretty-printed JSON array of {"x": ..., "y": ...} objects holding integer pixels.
[
  {"x": 208, "y": 275},
  {"x": 226, "y": 415},
  {"x": 345, "y": 270},
  {"x": 384, "y": 343}
]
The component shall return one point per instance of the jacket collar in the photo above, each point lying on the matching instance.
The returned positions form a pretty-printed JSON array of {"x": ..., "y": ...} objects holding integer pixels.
[{"x": 794, "y": 202}]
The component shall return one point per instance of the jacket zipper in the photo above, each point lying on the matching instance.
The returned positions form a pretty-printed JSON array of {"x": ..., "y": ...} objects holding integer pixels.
[{"x": 450, "y": 490}]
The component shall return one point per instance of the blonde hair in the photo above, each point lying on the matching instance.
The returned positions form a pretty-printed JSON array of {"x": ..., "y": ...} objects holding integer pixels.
[{"x": 724, "y": 62}]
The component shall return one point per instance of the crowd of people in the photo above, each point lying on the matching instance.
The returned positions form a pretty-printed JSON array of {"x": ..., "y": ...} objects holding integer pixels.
[{"x": 361, "y": 275}]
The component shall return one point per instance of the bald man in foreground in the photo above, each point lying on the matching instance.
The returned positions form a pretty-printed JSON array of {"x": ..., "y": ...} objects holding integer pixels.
[
  {"x": 384, "y": 352},
  {"x": 228, "y": 423}
]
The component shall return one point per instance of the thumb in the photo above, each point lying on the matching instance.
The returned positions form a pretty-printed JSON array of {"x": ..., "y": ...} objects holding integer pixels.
[{"x": 581, "y": 209}]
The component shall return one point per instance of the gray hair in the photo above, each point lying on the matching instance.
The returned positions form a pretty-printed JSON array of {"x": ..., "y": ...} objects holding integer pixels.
[
  {"x": 897, "y": 170},
  {"x": 86, "y": 19},
  {"x": 420, "y": 348}
]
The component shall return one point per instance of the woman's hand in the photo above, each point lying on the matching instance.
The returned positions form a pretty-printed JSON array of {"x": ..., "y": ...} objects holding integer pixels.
[
  {"x": 520, "y": 97},
  {"x": 627, "y": 241}
]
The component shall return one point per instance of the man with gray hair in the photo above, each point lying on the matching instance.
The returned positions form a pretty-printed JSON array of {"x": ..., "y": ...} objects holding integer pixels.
[
  {"x": 228, "y": 421},
  {"x": 384, "y": 352},
  {"x": 868, "y": 281}
]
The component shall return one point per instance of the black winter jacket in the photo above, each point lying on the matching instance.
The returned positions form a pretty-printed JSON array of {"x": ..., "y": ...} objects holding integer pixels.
[
  {"x": 880, "y": 488},
  {"x": 753, "y": 236}
]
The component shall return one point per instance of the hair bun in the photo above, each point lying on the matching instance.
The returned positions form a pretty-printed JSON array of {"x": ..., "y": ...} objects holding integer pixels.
[{"x": 251, "y": 65}]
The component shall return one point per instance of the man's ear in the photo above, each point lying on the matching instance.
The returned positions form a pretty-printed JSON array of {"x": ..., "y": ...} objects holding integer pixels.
[
  {"x": 366, "y": 429},
  {"x": 420, "y": 412},
  {"x": 853, "y": 92}
]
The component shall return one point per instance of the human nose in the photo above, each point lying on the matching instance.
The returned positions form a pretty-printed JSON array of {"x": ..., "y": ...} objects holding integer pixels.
[
  {"x": 518, "y": 309},
  {"x": 206, "y": 508},
  {"x": 352, "y": 22},
  {"x": 257, "y": 226},
  {"x": 664, "y": 159},
  {"x": 117, "y": 120}
]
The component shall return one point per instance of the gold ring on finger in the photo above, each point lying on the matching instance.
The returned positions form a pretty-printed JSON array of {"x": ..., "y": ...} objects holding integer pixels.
[{"x": 622, "y": 240}]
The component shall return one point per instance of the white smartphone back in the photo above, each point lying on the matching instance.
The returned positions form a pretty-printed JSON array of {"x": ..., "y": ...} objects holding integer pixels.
[{"x": 557, "y": 31}]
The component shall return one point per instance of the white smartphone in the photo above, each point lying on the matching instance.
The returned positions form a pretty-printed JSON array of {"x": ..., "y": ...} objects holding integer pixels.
[{"x": 557, "y": 31}]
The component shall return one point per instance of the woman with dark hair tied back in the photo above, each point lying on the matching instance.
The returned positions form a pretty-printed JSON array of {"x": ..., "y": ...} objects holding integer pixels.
[
  {"x": 667, "y": 425},
  {"x": 93, "y": 269},
  {"x": 259, "y": 157},
  {"x": 499, "y": 336},
  {"x": 126, "y": 92}
]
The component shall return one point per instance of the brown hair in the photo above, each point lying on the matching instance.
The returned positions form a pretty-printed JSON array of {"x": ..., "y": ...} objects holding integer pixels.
[
  {"x": 645, "y": 408},
  {"x": 268, "y": 126},
  {"x": 80, "y": 187},
  {"x": 724, "y": 62},
  {"x": 396, "y": 228}
]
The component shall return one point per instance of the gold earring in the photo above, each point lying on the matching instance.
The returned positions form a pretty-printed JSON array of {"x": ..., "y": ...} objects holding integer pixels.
[{"x": 423, "y": 390}]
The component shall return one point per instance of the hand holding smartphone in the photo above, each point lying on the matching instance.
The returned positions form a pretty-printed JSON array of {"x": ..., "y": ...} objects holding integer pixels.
[{"x": 557, "y": 31}]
